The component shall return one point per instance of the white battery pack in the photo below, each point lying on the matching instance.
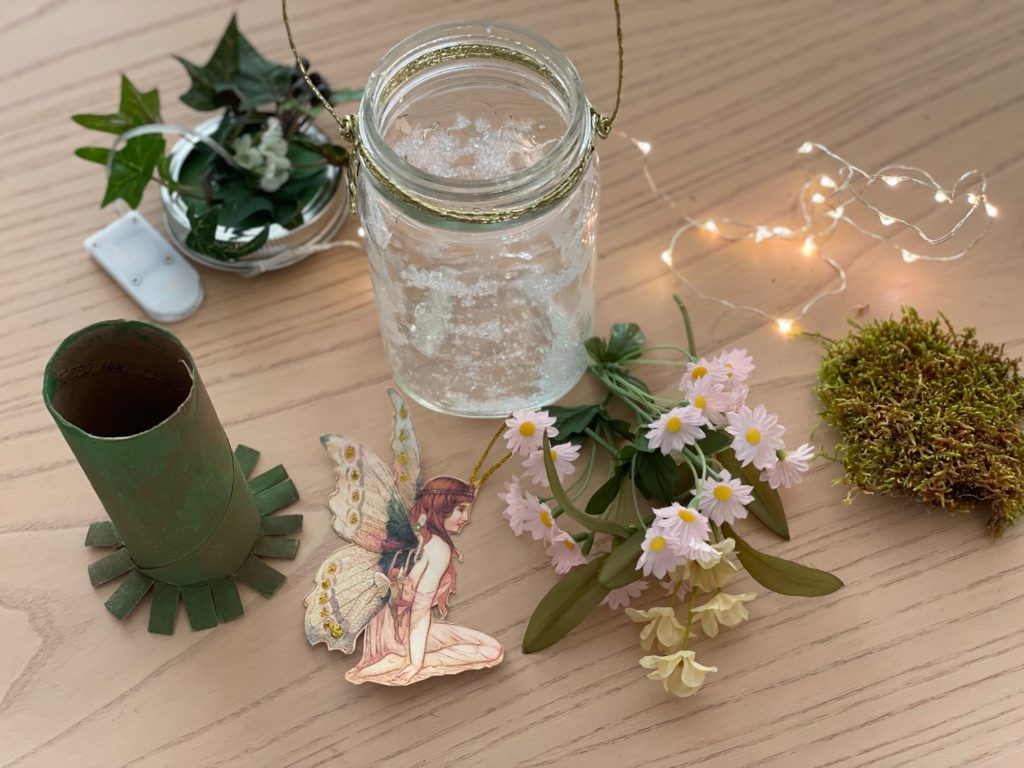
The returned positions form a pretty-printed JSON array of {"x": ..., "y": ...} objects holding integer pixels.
[{"x": 147, "y": 267}]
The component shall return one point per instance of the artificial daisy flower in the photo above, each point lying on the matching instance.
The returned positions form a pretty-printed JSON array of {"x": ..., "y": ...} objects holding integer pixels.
[
  {"x": 737, "y": 363},
  {"x": 660, "y": 552},
  {"x": 704, "y": 369},
  {"x": 757, "y": 435},
  {"x": 564, "y": 552},
  {"x": 723, "y": 500},
  {"x": 662, "y": 626},
  {"x": 537, "y": 520},
  {"x": 702, "y": 553},
  {"x": 790, "y": 468},
  {"x": 515, "y": 505},
  {"x": 526, "y": 430},
  {"x": 679, "y": 672},
  {"x": 562, "y": 456},
  {"x": 714, "y": 575},
  {"x": 687, "y": 525},
  {"x": 621, "y": 597},
  {"x": 725, "y": 609},
  {"x": 711, "y": 399},
  {"x": 675, "y": 429}
]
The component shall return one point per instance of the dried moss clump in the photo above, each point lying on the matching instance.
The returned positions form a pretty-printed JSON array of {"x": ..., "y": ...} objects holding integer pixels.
[{"x": 924, "y": 410}]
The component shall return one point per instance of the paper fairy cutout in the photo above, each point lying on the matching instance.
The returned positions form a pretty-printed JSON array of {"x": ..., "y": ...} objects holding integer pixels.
[{"x": 398, "y": 567}]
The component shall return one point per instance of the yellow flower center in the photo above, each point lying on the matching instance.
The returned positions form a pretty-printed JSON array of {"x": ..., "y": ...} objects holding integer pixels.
[
  {"x": 554, "y": 454},
  {"x": 699, "y": 372},
  {"x": 723, "y": 493},
  {"x": 673, "y": 424},
  {"x": 699, "y": 401},
  {"x": 687, "y": 515},
  {"x": 545, "y": 518},
  {"x": 753, "y": 436},
  {"x": 658, "y": 543},
  {"x": 569, "y": 544},
  {"x": 527, "y": 428}
]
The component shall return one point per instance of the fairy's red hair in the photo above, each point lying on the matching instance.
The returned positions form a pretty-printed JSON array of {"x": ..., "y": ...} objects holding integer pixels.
[{"x": 434, "y": 504}]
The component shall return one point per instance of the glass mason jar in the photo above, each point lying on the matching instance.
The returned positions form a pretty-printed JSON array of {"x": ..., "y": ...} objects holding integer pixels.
[{"x": 478, "y": 193}]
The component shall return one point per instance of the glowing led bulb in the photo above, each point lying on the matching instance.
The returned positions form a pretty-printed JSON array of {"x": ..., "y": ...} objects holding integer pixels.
[
  {"x": 892, "y": 181},
  {"x": 837, "y": 213},
  {"x": 644, "y": 147},
  {"x": 828, "y": 182},
  {"x": 782, "y": 231},
  {"x": 666, "y": 256},
  {"x": 710, "y": 226},
  {"x": 762, "y": 233},
  {"x": 991, "y": 210},
  {"x": 972, "y": 199},
  {"x": 818, "y": 198},
  {"x": 806, "y": 148},
  {"x": 909, "y": 257},
  {"x": 785, "y": 325},
  {"x": 941, "y": 197},
  {"x": 361, "y": 232},
  {"x": 809, "y": 248},
  {"x": 886, "y": 220}
]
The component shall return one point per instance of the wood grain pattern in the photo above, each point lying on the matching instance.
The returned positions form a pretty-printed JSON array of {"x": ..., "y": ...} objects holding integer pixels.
[{"x": 915, "y": 663}]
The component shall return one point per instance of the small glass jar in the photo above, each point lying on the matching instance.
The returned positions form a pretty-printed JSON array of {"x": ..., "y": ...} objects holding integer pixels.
[{"x": 478, "y": 193}]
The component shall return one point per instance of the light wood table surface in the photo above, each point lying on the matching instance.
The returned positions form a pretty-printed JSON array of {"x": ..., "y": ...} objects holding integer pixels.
[{"x": 916, "y": 662}]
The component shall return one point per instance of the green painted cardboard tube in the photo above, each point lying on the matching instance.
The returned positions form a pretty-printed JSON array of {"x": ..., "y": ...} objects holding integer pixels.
[{"x": 128, "y": 399}]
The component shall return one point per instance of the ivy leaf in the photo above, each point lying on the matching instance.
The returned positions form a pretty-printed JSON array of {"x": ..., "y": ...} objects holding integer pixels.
[
  {"x": 620, "y": 567},
  {"x": 767, "y": 505},
  {"x": 565, "y": 605},
  {"x": 133, "y": 169},
  {"x": 782, "y": 576},
  {"x": 203, "y": 237},
  {"x": 236, "y": 77},
  {"x": 136, "y": 108},
  {"x": 625, "y": 342}
]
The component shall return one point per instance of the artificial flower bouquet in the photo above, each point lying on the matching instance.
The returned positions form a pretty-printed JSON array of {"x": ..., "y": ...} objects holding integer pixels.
[
  {"x": 680, "y": 472},
  {"x": 260, "y": 166}
]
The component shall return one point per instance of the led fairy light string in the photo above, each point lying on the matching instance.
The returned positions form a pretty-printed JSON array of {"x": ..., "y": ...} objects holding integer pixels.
[{"x": 824, "y": 203}]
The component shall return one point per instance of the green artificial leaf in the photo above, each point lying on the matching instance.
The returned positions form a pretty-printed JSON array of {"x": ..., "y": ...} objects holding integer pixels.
[
  {"x": 714, "y": 441},
  {"x": 571, "y": 422},
  {"x": 621, "y": 427},
  {"x": 203, "y": 237},
  {"x": 625, "y": 342},
  {"x": 136, "y": 108},
  {"x": 240, "y": 208},
  {"x": 236, "y": 76},
  {"x": 333, "y": 154},
  {"x": 133, "y": 169},
  {"x": 782, "y": 576},
  {"x": 606, "y": 494},
  {"x": 767, "y": 505},
  {"x": 565, "y": 503},
  {"x": 565, "y": 605},
  {"x": 93, "y": 154},
  {"x": 656, "y": 476},
  {"x": 620, "y": 567}
]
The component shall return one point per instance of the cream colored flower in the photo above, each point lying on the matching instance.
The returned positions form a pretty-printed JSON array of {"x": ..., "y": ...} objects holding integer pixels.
[
  {"x": 679, "y": 672},
  {"x": 662, "y": 625},
  {"x": 717, "y": 574},
  {"x": 725, "y": 609}
]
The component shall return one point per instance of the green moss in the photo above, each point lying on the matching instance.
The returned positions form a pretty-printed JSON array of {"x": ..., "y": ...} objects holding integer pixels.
[{"x": 927, "y": 411}]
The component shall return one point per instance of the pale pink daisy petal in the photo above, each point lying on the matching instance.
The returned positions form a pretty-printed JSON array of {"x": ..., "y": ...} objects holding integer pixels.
[
  {"x": 660, "y": 553},
  {"x": 623, "y": 596},
  {"x": 686, "y": 525},
  {"x": 562, "y": 456},
  {"x": 757, "y": 435},
  {"x": 789, "y": 470},
  {"x": 526, "y": 430},
  {"x": 737, "y": 363},
  {"x": 704, "y": 369},
  {"x": 722, "y": 500},
  {"x": 674, "y": 430},
  {"x": 565, "y": 553},
  {"x": 711, "y": 399},
  {"x": 537, "y": 519}
]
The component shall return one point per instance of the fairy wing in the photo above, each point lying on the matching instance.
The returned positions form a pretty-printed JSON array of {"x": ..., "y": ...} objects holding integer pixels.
[
  {"x": 408, "y": 474},
  {"x": 351, "y": 588},
  {"x": 367, "y": 507}
]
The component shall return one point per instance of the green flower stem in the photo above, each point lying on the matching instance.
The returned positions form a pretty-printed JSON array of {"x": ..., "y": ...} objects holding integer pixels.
[
  {"x": 689, "y": 328},
  {"x": 659, "y": 361},
  {"x": 600, "y": 441},
  {"x": 585, "y": 477},
  {"x": 653, "y": 399},
  {"x": 689, "y": 616},
  {"x": 672, "y": 347},
  {"x": 584, "y": 520},
  {"x": 632, "y": 485}
]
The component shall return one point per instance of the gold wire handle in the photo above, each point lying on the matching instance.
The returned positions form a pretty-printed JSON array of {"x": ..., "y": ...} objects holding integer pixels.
[{"x": 349, "y": 128}]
